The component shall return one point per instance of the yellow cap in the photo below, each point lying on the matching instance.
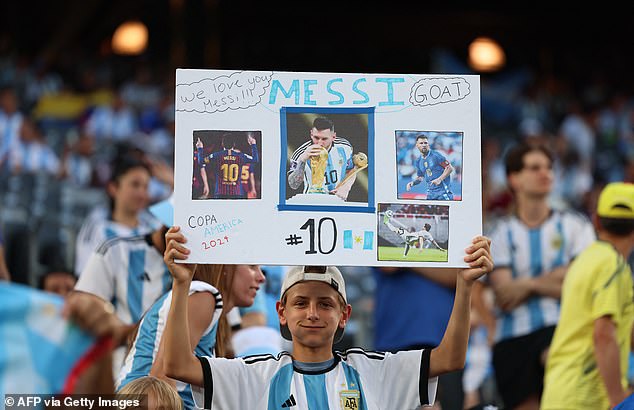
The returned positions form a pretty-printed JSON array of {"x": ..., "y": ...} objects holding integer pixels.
[{"x": 616, "y": 201}]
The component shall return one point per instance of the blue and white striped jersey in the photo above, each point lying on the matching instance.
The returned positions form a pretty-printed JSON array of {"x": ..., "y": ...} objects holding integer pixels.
[
  {"x": 9, "y": 132},
  {"x": 339, "y": 161},
  {"x": 533, "y": 252},
  {"x": 140, "y": 358},
  {"x": 34, "y": 157},
  {"x": 98, "y": 228},
  {"x": 357, "y": 379},
  {"x": 129, "y": 272}
]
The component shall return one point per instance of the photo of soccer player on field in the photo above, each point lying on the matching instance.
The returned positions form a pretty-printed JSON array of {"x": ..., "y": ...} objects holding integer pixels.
[
  {"x": 227, "y": 164},
  {"x": 413, "y": 232},
  {"x": 429, "y": 165}
]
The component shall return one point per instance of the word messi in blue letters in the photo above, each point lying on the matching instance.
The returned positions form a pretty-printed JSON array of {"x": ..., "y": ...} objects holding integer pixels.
[{"x": 339, "y": 89}]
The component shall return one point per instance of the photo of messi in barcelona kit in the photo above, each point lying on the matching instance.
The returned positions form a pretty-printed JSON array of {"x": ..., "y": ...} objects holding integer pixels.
[{"x": 230, "y": 169}]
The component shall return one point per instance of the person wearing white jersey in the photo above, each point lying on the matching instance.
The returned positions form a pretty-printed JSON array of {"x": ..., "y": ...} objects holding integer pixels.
[
  {"x": 532, "y": 249},
  {"x": 130, "y": 273},
  {"x": 313, "y": 312},
  {"x": 127, "y": 214},
  {"x": 323, "y": 136},
  {"x": 215, "y": 290}
]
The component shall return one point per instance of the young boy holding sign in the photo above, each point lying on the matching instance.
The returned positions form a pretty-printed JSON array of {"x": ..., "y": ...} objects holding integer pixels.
[{"x": 313, "y": 312}]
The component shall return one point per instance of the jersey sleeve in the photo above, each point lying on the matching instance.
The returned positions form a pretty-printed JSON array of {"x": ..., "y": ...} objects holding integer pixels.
[
  {"x": 442, "y": 161},
  {"x": 200, "y": 157},
  {"x": 500, "y": 246},
  {"x": 233, "y": 383},
  {"x": 347, "y": 149},
  {"x": 90, "y": 235},
  {"x": 400, "y": 380},
  {"x": 582, "y": 236},
  {"x": 605, "y": 292},
  {"x": 97, "y": 278},
  {"x": 255, "y": 157}
]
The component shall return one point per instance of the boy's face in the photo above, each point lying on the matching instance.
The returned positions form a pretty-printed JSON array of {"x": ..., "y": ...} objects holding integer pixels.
[
  {"x": 313, "y": 313},
  {"x": 536, "y": 177}
]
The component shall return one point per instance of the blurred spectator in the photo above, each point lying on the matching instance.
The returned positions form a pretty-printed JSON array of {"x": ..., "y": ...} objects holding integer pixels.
[
  {"x": 410, "y": 324},
  {"x": 532, "y": 131},
  {"x": 78, "y": 162},
  {"x": 127, "y": 214},
  {"x": 66, "y": 105},
  {"x": 60, "y": 282},
  {"x": 32, "y": 154},
  {"x": 588, "y": 358},
  {"x": 571, "y": 179},
  {"x": 129, "y": 271},
  {"x": 10, "y": 122},
  {"x": 115, "y": 121},
  {"x": 532, "y": 250},
  {"x": 141, "y": 92},
  {"x": 253, "y": 336},
  {"x": 41, "y": 82},
  {"x": 578, "y": 128}
]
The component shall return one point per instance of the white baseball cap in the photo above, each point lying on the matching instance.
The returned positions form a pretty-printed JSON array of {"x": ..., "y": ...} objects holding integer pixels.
[{"x": 328, "y": 274}]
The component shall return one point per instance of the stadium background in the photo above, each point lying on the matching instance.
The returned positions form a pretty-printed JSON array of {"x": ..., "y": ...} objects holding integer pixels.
[{"x": 559, "y": 63}]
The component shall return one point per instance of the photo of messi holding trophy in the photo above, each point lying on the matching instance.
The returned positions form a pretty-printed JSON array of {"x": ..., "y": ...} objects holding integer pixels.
[{"x": 330, "y": 162}]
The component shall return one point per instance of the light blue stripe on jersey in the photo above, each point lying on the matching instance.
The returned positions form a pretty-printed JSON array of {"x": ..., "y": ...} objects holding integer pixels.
[
  {"x": 536, "y": 261},
  {"x": 145, "y": 341},
  {"x": 110, "y": 233},
  {"x": 507, "y": 318},
  {"x": 316, "y": 393},
  {"x": 330, "y": 167},
  {"x": 136, "y": 278},
  {"x": 559, "y": 259},
  {"x": 354, "y": 383},
  {"x": 280, "y": 388},
  {"x": 167, "y": 281},
  {"x": 535, "y": 243}
]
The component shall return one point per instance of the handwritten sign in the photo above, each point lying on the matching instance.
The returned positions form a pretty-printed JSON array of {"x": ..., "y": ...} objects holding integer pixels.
[{"x": 327, "y": 168}]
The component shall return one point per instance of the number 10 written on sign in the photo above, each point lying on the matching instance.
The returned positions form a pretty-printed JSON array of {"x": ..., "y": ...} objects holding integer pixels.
[{"x": 325, "y": 235}]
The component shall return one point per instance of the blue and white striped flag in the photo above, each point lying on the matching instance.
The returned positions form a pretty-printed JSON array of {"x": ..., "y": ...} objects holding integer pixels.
[{"x": 38, "y": 347}]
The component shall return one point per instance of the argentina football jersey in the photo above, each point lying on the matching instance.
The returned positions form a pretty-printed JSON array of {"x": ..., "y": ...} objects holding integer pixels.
[
  {"x": 339, "y": 162},
  {"x": 432, "y": 167},
  {"x": 355, "y": 379},
  {"x": 142, "y": 354},
  {"x": 129, "y": 272},
  {"x": 530, "y": 252}
]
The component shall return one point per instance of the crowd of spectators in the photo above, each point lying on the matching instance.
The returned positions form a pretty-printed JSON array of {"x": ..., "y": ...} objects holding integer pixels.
[{"x": 60, "y": 133}]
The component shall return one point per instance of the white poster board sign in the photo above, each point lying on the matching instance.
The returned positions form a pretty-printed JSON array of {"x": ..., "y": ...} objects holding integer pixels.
[{"x": 294, "y": 168}]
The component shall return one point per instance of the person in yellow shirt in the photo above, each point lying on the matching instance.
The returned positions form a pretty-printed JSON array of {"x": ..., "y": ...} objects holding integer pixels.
[{"x": 587, "y": 363}]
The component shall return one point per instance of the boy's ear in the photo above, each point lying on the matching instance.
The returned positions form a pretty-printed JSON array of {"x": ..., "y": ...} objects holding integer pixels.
[
  {"x": 280, "y": 312},
  {"x": 346, "y": 316}
]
